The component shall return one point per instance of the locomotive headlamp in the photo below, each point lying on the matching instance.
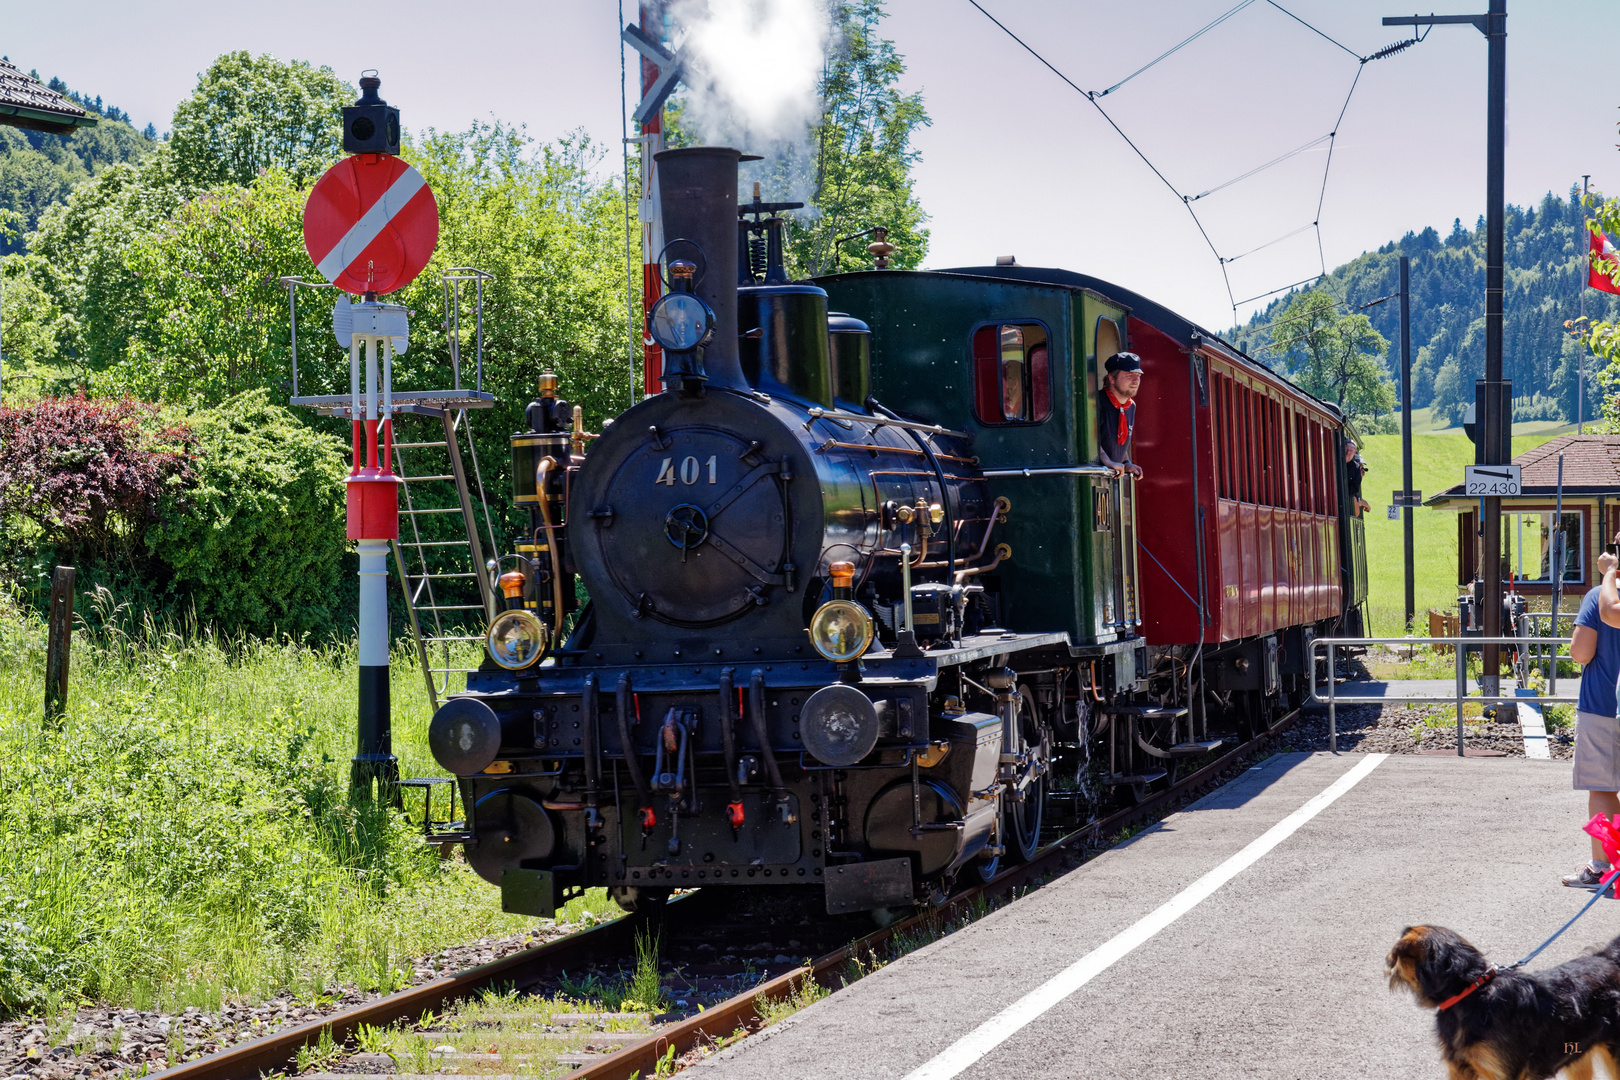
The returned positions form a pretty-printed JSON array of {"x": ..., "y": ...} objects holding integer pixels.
[
  {"x": 841, "y": 630},
  {"x": 681, "y": 322},
  {"x": 839, "y": 725},
  {"x": 516, "y": 639}
]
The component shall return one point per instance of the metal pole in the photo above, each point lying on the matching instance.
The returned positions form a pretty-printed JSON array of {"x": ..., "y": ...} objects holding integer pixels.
[
  {"x": 1406, "y": 432},
  {"x": 1462, "y": 688},
  {"x": 1555, "y": 566},
  {"x": 1333, "y": 710},
  {"x": 1500, "y": 410},
  {"x": 1580, "y": 380}
]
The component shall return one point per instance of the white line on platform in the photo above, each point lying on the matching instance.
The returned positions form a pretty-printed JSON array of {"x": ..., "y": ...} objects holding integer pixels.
[
  {"x": 999, "y": 1028},
  {"x": 1535, "y": 731}
]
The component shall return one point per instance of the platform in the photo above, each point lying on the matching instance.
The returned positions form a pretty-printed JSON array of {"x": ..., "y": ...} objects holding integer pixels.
[{"x": 1133, "y": 966}]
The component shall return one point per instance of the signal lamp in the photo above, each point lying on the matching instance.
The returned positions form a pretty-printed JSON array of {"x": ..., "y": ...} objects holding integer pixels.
[
  {"x": 839, "y": 725},
  {"x": 841, "y": 630},
  {"x": 517, "y": 639}
]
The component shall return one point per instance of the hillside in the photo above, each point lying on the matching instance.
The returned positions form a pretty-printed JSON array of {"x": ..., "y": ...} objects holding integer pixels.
[
  {"x": 1437, "y": 463},
  {"x": 38, "y": 170},
  {"x": 1545, "y": 266}
]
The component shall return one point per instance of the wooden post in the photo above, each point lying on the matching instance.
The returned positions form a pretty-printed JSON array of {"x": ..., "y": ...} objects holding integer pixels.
[{"x": 58, "y": 644}]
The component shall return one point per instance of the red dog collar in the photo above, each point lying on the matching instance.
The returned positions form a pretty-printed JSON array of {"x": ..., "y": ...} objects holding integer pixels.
[{"x": 1490, "y": 973}]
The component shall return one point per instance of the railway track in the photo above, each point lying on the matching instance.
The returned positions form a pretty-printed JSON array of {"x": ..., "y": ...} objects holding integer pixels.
[{"x": 740, "y": 1014}]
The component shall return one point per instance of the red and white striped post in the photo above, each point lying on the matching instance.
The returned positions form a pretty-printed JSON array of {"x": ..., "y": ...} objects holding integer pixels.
[{"x": 373, "y": 522}]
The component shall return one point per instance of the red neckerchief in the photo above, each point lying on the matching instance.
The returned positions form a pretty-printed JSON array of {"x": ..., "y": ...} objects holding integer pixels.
[
  {"x": 1490, "y": 973},
  {"x": 1122, "y": 404}
]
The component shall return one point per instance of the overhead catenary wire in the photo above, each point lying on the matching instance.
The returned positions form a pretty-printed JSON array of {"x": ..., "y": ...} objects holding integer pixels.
[
  {"x": 1186, "y": 200},
  {"x": 1173, "y": 49}
]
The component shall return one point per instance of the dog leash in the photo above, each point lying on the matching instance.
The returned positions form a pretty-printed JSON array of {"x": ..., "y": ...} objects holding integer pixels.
[
  {"x": 1607, "y": 888},
  {"x": 1491, "y": 972}
]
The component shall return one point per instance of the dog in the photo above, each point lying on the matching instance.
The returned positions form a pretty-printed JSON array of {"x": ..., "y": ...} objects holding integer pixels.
[{"x": 1502, "y": 1024}]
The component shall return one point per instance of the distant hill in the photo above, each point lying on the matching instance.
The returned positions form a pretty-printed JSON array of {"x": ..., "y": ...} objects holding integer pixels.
[
  {"x": 1546, "y": 262},
  {"x": 38, "y": 170}
]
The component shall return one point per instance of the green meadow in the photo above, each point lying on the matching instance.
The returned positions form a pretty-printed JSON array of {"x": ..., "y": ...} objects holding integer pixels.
[{"x": 1438, "y": 458}]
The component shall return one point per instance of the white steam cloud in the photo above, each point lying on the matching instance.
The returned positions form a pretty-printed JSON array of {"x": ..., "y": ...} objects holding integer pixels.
[{"x": 753, "y": 72}]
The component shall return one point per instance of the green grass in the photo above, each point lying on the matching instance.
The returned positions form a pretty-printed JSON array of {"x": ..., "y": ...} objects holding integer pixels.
[
  {"x": 1438, "y": 459},
  {"x": 186, "y": 834}
]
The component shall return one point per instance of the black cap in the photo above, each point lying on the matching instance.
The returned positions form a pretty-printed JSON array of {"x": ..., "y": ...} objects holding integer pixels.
[{"x": 1123, "y": 361}]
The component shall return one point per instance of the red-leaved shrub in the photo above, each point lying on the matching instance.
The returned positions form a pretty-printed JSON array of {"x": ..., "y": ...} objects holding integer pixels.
[{"x": 89, "y": 472}]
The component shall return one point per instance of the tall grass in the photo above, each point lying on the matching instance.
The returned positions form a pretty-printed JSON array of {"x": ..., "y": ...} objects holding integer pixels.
[{"x": 186, "y": 833}]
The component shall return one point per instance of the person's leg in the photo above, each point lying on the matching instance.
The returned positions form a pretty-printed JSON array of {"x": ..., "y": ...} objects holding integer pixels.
[
  {"x": 1606, "y": 803},
  {"x": 1597, "y": 772}
]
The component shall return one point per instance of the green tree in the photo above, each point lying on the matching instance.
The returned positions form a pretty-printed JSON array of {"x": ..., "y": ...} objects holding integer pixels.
[
  {"x": 863, "y": 153},
  {"x": 1337, "y": 357},
  {"x": 852, "y": 165},
  {"x": 251, "y": 113}
]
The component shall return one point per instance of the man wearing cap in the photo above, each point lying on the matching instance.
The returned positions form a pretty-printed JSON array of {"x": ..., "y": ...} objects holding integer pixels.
[{"x": 1116, "y": 411}]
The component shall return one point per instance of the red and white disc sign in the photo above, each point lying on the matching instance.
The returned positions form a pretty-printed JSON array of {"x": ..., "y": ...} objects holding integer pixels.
[{"x": 370, "y": 224}]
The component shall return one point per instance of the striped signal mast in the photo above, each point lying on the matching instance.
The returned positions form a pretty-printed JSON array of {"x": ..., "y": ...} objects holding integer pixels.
[{"x": 661, "y": 71}]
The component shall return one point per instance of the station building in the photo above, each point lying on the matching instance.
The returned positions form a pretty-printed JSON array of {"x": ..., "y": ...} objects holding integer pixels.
[{"x": 1591, "y": 515}]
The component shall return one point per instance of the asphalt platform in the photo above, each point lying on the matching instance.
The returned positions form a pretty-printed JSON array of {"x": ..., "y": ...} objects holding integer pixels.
[{"x": 1242, "y": 937}]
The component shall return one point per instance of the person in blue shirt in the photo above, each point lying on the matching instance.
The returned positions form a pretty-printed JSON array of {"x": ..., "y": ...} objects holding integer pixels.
[{"x": 1596, "y": 646}]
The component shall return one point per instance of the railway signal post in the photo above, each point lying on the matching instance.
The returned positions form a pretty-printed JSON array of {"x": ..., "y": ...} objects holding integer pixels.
[
  {"x": 1496, "y": 413},
  {"x": 370, "y": 227}
]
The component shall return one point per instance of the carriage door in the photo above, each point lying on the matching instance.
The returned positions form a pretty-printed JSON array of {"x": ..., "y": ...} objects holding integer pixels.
[{"x": 1127, "y": 605}]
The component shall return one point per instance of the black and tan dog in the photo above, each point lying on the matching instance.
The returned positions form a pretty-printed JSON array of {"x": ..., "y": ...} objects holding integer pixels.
[{"x": 1501, "y": 1024}]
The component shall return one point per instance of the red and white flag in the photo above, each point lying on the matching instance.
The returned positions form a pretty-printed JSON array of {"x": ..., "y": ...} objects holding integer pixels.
[{"x": 1602, "y": 249}]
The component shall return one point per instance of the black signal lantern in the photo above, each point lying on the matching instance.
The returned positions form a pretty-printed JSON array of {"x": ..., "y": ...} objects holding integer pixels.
[{"x": 370, "y": 125}]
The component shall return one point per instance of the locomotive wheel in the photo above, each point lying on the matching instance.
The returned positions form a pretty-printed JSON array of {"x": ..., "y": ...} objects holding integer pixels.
[{"x": 1025, "y": 815}]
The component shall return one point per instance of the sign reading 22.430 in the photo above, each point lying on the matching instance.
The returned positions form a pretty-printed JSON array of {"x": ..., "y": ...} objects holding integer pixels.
[{"x": 1491, "y": 479}]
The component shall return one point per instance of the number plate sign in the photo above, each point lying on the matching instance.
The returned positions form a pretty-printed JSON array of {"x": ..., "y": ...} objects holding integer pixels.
[{"x": 1491, "y": 479}]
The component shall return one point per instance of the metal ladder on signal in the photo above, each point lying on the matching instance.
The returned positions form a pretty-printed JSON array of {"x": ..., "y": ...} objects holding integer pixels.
[{"x": 430, "y": 594}]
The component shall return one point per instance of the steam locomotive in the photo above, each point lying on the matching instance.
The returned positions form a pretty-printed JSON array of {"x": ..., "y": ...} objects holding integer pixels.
[{"x": 863, "y": 614}]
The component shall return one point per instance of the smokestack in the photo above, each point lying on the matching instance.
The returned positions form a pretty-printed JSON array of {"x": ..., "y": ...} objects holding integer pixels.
[{"x": 698, "y": 197}]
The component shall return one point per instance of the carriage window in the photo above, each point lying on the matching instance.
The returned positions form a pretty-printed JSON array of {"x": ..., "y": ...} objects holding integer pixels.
[{"x": 1012, "y": 377}]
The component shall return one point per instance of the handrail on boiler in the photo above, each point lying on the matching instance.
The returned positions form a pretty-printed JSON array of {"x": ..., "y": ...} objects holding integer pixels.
[{"x": 1461, "y": 647}]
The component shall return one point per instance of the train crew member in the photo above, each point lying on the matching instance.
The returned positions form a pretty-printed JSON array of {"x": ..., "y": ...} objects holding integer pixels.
[
  {"x": 1596, "y": 645},
  {"x": 1355, "y": 469},
  {"x": 1116, "y": 412}
]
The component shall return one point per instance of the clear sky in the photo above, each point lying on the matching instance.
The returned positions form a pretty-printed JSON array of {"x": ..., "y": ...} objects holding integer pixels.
[{"x": 1016, "y": 162}]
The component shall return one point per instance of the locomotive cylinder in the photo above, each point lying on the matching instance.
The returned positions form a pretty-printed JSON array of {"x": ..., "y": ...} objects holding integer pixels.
[{"x": 698, "y": 198}]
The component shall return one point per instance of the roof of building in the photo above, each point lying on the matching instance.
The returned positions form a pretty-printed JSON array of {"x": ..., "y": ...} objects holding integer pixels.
[
  {"x": 1591, "y": 467},
  {"x": 28, "y": 103}
]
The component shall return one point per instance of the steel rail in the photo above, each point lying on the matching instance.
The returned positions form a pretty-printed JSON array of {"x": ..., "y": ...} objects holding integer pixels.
[
  {"x": 274, "y": 1052},
  {"x": 733, "y": 1016}
]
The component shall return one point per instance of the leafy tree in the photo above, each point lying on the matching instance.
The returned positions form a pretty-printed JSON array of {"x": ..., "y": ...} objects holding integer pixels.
[
  {"x": 38, "y": 170},
  {"x": 863, "y": 153},
  {"x": 1337, "y": 357},
  {"x": 207, "y": 318},
  {"x": 254, "y": 113},
  {"x": 852, "y": 166}
]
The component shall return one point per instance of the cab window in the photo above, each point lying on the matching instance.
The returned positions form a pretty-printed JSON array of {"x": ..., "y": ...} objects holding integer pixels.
[{"x": 1012, "y": 374}]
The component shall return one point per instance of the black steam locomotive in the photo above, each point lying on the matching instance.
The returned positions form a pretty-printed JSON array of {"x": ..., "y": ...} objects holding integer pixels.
[{"x": 810, "y": 656}]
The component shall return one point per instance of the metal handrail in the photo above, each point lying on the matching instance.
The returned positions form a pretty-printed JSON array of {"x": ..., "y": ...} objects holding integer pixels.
[{"x": 1461, "y": 646}]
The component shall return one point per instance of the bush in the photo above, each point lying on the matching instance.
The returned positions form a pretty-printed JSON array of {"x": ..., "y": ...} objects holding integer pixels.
[
  {"x": 89, "y": 474},
  {"x": 255, "y": 543}
]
